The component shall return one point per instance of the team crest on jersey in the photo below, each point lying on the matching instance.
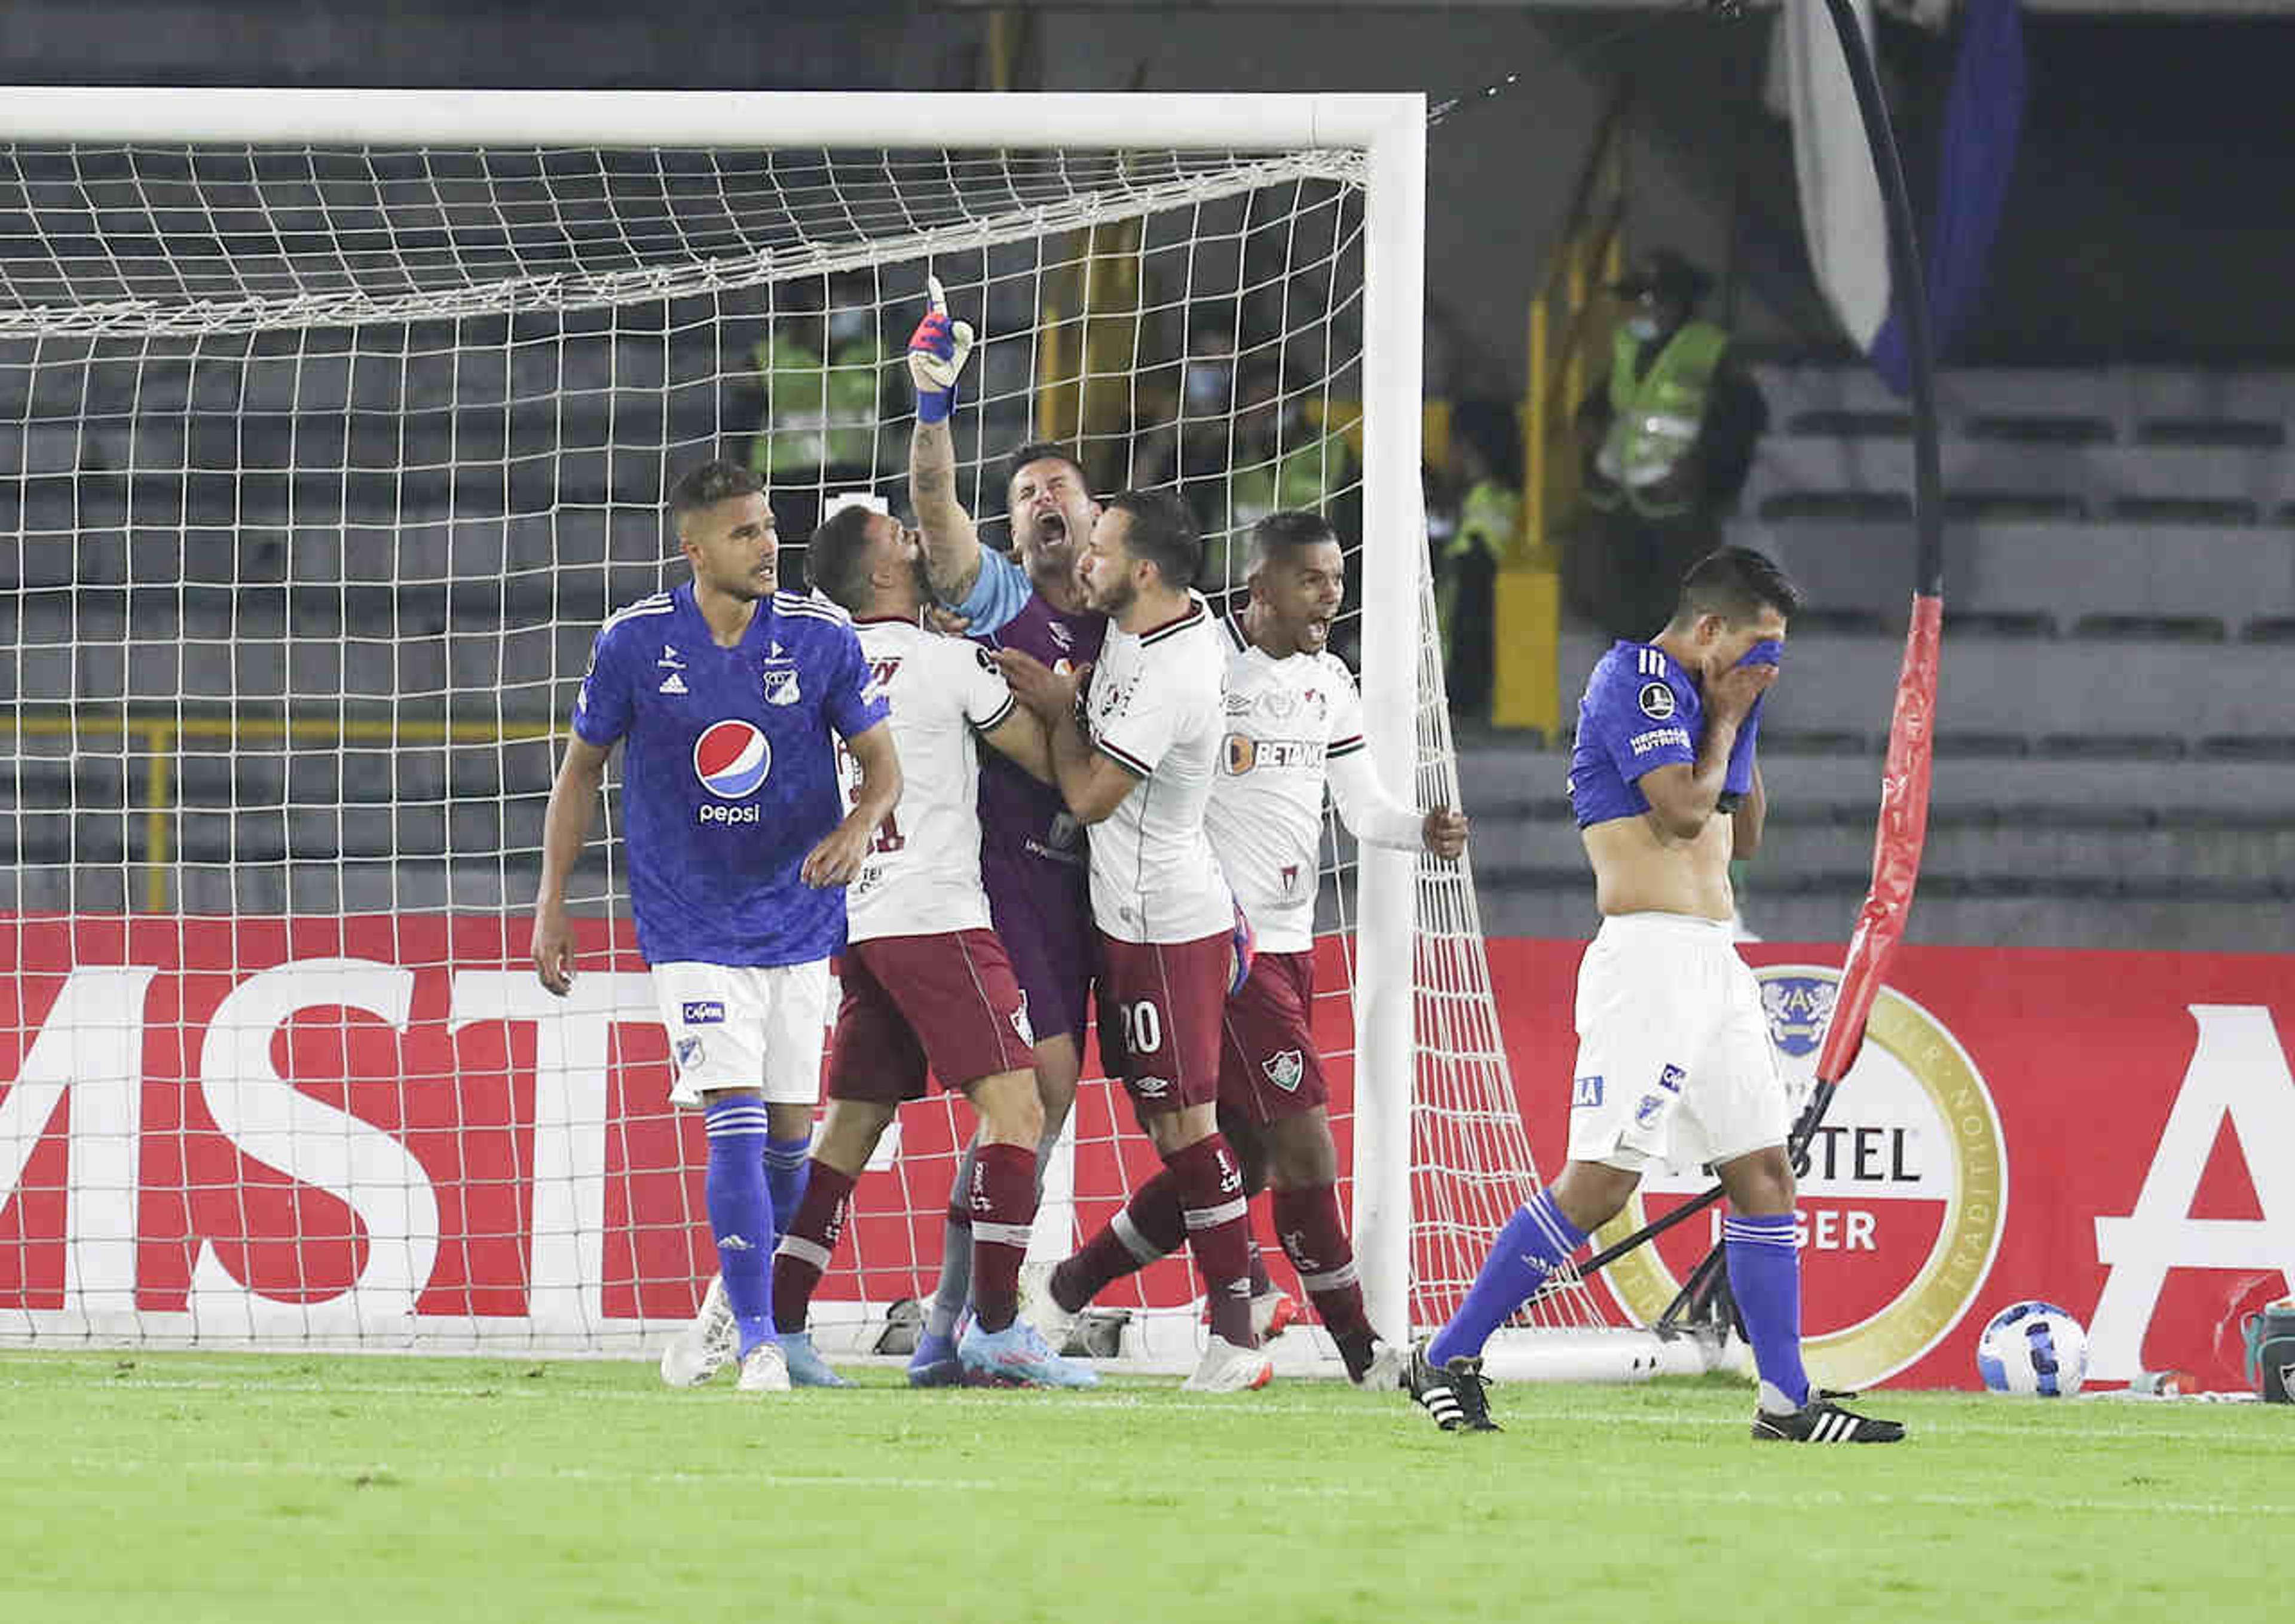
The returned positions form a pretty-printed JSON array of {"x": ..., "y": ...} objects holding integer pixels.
[
  {"x": 1652, "y": 1106},
  {"x": 1060, "y": 634},
  {"x": 1285, "y": 1069},
  {"x": 1656, "y": 701},
  {"x": 688, "y": 1053},
  {"x": 1240, "y": 754},
  {"x": 1290, "y": 877},
  {"x": 780, "y": 685},
  {"x": 670, "y": 659},
  {"x": 1280, "y": 704},
  {"x": 732, "y": 758}
]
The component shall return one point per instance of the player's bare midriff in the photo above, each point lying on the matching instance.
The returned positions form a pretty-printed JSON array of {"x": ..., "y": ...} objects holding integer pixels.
[{"x": 1639, "y": 869}]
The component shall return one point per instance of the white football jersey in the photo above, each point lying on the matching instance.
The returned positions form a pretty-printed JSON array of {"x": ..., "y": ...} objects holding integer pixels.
[
  {"x": 922, "y": 876},
  {"x": 1285, "y": 720},
  {"x": 1154, "y": 708}
]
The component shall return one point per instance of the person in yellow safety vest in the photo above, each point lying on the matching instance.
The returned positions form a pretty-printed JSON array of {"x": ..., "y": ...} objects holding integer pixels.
[
  {"x": 821, "y": 421},
  {"x": 1668, "y": 439},
  {"x": 1466, "y": 568}
]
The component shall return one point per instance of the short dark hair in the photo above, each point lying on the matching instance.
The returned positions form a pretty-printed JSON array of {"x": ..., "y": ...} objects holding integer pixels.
[
  {"x": 837, "y": 558},
  {"x": 1163, "y": 533},
  {"x": 710, "y": 483},
  {"x": 1039, "y": 450},
  {"x": 1735, "y": 583},
  {"x": 1284, "y": 533}
]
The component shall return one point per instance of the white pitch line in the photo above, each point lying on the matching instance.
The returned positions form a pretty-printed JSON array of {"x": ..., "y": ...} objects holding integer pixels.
[
  {"x": 1846, "y": 1499},
  {"x": 2055, "y": 1424}
]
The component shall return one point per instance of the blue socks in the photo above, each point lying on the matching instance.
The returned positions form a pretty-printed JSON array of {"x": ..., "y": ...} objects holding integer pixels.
[
  {"x": 742, "y": 1214},
  {"x": 1535, "y": 1238},
  {"x": 787, "y": 1169},
  {"x": 1765, "y": 1277}
]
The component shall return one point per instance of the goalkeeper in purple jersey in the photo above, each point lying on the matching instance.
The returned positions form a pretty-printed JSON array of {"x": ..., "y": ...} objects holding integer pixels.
[
  {"x": 732, "y": 696},
  {"x": 1032, "y": 856},
  {"x": 1674, "y": 1062}
]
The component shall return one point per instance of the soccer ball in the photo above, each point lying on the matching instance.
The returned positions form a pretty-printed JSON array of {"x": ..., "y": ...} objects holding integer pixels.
[{"x": 2033, "y": 1347}]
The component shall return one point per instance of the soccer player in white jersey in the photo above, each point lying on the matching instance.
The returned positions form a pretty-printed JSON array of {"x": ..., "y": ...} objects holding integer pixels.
[
  {"x": 926, "y": 982},
  {"x": 1674, "y": 1062},
  {"x": 732, "y": 696},
  {"x": 1294, "y": 722},
  {"x": 1137, "y": 767}
]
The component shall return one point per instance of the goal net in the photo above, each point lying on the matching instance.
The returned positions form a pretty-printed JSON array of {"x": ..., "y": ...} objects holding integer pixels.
[{"x": 330, "y": 430}]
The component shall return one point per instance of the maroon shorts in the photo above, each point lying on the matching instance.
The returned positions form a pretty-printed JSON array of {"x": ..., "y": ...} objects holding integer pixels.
[
  {"x": 947, "y": 1003},
  {"x": 1166, "y": 998},
  {"x": 1269, "y": 1067}
]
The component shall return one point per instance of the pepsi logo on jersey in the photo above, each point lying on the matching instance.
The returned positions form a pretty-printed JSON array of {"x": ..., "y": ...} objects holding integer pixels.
[{"x": 732, "y": 759}]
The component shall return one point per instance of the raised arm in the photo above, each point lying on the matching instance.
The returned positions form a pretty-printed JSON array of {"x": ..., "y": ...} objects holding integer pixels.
[
  {"x": 565, "y": 830},
  {"x": 937, "y": 356}
]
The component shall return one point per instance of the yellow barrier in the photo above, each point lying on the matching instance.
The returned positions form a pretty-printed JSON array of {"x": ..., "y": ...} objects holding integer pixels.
[{"x": 1570, "y": 317}]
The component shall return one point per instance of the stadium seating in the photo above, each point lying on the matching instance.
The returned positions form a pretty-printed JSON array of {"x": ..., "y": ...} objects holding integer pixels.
[
  {"x": 2117, "y": 740},
  {"x": 2117, "y": 755}
]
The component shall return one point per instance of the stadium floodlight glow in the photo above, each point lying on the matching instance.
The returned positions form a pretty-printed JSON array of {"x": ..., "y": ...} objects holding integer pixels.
[{"x": 335, "y": 421}]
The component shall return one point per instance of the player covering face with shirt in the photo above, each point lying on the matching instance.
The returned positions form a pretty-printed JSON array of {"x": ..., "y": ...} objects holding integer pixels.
[{"x": 1674, "y": 1063}]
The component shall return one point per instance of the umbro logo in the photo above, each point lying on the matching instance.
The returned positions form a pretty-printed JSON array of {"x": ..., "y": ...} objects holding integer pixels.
[{"x": 673, "y": 684}]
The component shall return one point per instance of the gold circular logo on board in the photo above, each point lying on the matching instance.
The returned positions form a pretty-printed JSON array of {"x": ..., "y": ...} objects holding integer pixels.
[{"x": 1920, "y": 1069}]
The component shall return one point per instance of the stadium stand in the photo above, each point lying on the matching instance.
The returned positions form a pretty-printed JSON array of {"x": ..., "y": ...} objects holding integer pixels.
[{"x": 2116, "y": 759}]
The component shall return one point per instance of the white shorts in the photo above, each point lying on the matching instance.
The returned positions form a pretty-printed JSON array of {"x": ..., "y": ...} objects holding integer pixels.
[
  {"x": 1674, "y": 1063},
  {"x": 744, "y": 1027}
]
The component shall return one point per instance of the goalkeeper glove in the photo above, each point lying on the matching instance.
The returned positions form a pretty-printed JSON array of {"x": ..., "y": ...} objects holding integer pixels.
[{"x": 936, "y": 354}]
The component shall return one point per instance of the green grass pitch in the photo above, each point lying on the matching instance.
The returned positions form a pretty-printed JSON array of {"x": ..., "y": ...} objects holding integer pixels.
[{"x": 189, "y": 1487}]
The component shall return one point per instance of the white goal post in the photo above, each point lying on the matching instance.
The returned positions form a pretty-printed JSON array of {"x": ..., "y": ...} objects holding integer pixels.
[{"x": 1378, "y": 148}]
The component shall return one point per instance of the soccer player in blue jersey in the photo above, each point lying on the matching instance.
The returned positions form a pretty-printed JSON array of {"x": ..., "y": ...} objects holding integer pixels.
[
  {"x": 1674, "y": 1063},
  {"x": 732, "y": 696}
]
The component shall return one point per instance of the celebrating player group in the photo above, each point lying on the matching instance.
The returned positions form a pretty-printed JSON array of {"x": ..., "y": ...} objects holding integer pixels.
[{"x": 1136, "y": 844}]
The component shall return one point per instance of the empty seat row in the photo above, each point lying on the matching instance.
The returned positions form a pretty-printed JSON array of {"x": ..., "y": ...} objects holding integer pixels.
[
  {"x": 2126, "y": 399},
  {"x": 2064, "y": 573},
  {"x": 389, "y": 372},
  {"x": 2258, "y": 479}
]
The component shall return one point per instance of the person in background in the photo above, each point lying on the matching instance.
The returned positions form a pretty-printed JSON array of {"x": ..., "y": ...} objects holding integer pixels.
[
  {"x": 1667, "y": 439},
  {"x": 821, "y": 364},
  {"x": 1466, "y": 568}
]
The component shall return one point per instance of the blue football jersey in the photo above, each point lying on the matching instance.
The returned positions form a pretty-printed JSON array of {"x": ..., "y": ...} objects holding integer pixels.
[
  {"x": 729, "y": 777},
  {"x": 1640, "y": 711}
]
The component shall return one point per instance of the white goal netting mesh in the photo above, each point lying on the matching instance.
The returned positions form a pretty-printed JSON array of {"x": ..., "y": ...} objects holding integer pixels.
[{"x": 319, "y": 468}]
